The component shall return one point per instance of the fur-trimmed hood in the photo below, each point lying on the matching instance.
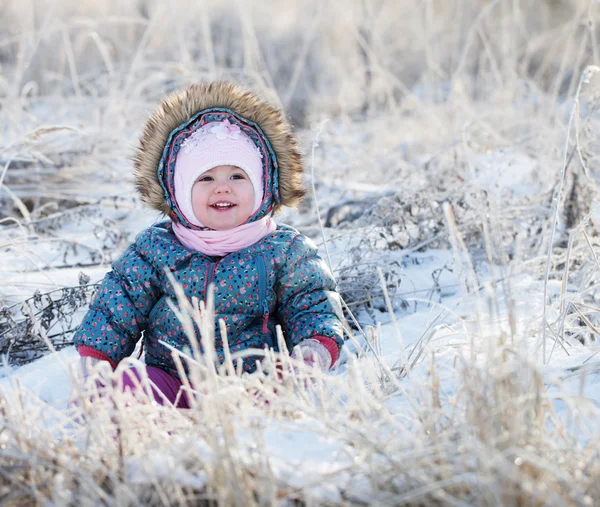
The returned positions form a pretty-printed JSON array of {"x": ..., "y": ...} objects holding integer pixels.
[{"x": 183, "y": 112}]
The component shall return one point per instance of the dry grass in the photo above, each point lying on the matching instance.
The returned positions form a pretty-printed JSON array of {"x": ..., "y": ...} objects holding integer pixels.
[
  {"x": 495, "y": 441},
  {"x": 424, "y": 97}
]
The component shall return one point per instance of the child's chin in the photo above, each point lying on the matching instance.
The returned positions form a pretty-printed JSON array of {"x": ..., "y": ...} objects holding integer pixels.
[
  {"x": 223, "y": 226},
  {"x": 222, "y": 222}
]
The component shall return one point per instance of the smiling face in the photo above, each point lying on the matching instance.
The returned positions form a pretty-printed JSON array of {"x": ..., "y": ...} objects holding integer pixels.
[{"x": 223, "y": 197}]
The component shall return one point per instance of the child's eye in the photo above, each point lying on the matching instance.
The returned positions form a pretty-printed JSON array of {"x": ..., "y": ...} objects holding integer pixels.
[
  {"x": 205, "y": 178},
  {"x": 238, "y": 176}
]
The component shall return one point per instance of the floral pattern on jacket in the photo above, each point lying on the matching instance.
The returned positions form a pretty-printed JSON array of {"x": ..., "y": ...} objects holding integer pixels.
[{"x": 278, "y": 280}]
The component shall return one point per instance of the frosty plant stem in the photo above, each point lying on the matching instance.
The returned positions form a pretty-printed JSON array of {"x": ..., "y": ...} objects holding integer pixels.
[
  {"x": 315, "y": 144},
  {"x": 588, "y": 72},
  {"x": 4, "y": 171},
  {"x": 390, "y": 309}
]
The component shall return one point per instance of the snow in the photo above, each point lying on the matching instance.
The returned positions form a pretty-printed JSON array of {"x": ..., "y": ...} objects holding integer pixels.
[
  {"x": 507, "y": 169},
  {"x": 302, "y": 453},
  {"x": 453, "y": 385}
]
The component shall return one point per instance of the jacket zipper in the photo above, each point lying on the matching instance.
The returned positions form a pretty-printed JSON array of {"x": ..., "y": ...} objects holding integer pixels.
[{"x": 262, "y": 291}]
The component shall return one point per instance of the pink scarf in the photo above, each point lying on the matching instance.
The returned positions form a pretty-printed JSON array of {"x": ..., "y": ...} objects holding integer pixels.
[{"x": 221, "y": 243}]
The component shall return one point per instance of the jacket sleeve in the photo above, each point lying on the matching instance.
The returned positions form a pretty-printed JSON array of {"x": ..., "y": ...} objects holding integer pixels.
[
  {"x": 120, "y": 308},
  {"x": 309, "y": 304}
]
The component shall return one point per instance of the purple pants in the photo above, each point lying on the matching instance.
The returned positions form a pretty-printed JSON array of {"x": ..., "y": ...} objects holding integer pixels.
[{"x": 165, "y": 386}]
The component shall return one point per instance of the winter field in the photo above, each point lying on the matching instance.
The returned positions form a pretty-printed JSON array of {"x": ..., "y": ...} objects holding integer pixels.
[{"x": 453, "y": 154}]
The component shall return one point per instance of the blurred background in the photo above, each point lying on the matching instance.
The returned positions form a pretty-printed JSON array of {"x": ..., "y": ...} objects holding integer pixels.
[
  {"x": 440, "y": 69},
  {"x": 318, "y": 57},
  {"x": 403, "y": 80}
]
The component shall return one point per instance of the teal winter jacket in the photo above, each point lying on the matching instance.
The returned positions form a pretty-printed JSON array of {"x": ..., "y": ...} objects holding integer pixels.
[{"x": 278, "y": 280}]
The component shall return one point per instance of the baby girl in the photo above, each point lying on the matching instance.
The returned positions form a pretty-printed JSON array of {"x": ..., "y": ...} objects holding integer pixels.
[{"x": 220, "y": 163}]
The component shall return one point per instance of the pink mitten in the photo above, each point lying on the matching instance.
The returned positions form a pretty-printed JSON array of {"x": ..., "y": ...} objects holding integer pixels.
[{"x": 312, "y": 352}]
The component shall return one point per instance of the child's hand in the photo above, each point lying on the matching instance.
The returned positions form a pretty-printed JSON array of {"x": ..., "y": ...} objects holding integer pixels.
[{"x": 313, "y": 353}]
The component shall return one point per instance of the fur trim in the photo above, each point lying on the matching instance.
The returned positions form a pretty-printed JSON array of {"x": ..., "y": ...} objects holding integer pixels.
[{"x": 181, "y": 106}]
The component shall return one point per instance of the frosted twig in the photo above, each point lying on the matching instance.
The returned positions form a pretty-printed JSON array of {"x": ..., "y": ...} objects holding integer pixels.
[{"x": 585, "y": 76}]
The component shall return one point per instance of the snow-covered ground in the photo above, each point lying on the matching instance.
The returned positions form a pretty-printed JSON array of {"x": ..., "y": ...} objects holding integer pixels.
[
  {"x": 460, "y": 216},
  {"x": 453, "y": 336}
]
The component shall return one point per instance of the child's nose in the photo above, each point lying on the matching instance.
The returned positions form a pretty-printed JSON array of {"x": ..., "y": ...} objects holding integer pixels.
[{"x": 223, "y": 188}]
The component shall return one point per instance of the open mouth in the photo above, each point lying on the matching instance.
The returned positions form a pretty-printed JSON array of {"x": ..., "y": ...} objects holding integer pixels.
[{"x": 222, "y": 206}]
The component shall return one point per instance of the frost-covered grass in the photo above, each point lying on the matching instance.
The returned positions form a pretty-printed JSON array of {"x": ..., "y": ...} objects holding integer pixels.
[
  {"x": 461, "y": 416},
  {"x": 456, "y": 176}
]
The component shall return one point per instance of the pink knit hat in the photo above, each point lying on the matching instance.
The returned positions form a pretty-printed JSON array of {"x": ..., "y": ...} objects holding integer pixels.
[{"x": 214, "y": 144}]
